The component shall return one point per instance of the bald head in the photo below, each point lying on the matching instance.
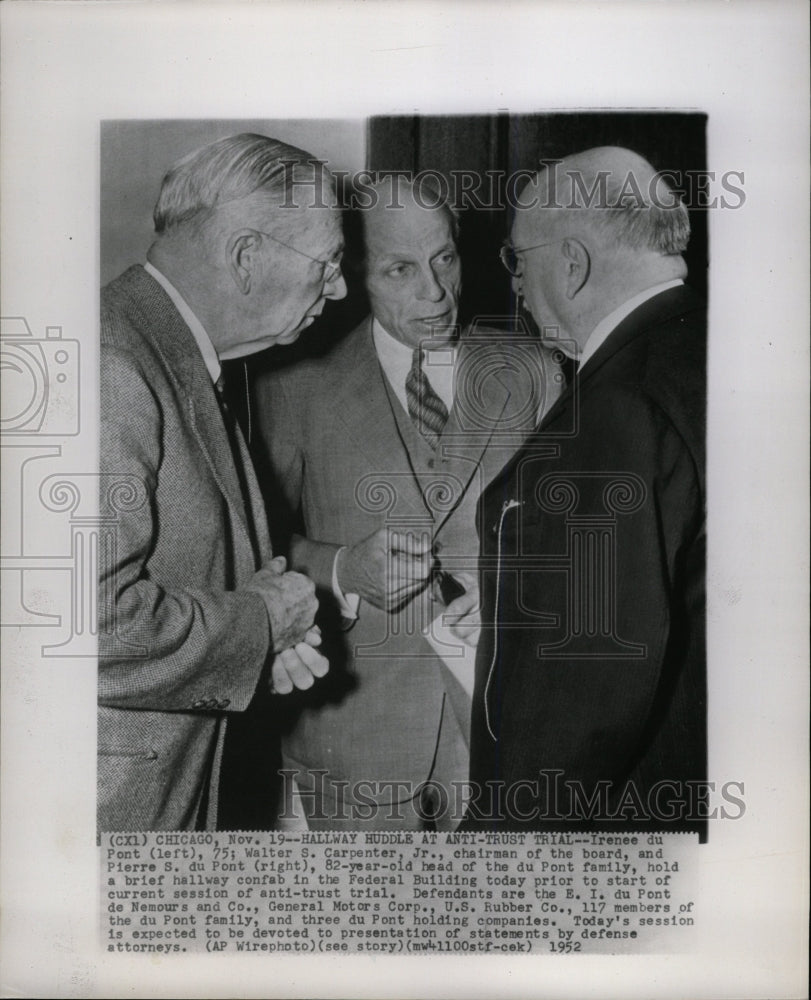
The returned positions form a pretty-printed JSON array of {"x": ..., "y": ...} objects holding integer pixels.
[{"x": 611, "y": 193}]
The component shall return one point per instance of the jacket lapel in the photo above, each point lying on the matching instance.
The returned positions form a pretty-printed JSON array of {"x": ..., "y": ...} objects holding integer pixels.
[
  {"x": 659, "y": 309},
  {"x": 258, "y": 514},
  {"x": 478, "y": 406},
  {"x": 365, "y": 408},
  {"x": 185, "y": 366}
]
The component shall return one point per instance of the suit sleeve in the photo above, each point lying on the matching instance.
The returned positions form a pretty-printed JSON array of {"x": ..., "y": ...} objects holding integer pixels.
[{"x": 162, "y": 648}]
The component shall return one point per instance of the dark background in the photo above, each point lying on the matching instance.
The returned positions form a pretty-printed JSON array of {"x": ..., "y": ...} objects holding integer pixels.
[{"x": 508, "y": 143}]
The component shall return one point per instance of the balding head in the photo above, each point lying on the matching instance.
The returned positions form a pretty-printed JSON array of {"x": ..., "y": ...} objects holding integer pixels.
[
  {"x": 614, "y": 194},
  {"x": 592, "y": 231}
]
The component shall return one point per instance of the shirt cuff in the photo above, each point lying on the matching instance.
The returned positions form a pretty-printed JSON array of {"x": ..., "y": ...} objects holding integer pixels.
[{"x": 348, "y": 604}]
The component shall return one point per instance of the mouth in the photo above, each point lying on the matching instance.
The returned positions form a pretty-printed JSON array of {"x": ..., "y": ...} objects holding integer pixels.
[{"x": 443, "y": 319}]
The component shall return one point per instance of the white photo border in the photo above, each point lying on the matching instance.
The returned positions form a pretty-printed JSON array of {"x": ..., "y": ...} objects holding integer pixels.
[{"x": 67, "y": 66}]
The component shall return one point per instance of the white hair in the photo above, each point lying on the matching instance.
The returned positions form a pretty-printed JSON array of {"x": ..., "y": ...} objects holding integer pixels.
[
  {"x": 228, "y": 170},
  {"x": 638, "y": 220},
  {"x": 619, "y": 197}
]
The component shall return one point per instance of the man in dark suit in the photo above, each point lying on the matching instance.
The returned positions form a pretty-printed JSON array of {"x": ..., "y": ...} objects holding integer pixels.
[
  {"x": 194, "y": 613},
  {"x": 590, "y": 704},
  {"x": 384, "y": 446}
]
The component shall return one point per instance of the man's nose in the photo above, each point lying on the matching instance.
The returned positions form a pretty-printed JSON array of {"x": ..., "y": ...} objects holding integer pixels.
[
  {"x": 335, "y": 288},
  {"x": 430, "y": 288}
]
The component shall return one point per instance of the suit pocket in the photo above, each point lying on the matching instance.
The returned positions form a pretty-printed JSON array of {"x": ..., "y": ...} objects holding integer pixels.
[
  {"x": 136, "y": 753},
  {"x": 125, "y": 734}
]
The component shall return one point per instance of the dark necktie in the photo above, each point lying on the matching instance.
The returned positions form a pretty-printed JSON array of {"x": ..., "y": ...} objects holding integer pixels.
[
  {"x": 425, "y": 408},
  {"x": 227, "y": 416},
  {"x": 238, "y": 450},
  {"x": 569, "y": 368}
]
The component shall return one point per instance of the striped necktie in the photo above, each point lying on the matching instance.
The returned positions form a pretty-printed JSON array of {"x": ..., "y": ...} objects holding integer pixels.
[{"x": 425, "y": 408}]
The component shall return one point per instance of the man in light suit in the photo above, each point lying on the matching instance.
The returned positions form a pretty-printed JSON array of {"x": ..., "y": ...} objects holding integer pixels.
[
  {"x": 194, "y": 613},
  {"x": 590, "y": 701},
  {"x": 383, "y": 447}
]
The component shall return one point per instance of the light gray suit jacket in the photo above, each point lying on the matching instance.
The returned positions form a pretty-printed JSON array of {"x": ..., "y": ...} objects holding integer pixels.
[
  {"x": 180, "y": 639},
  {"x": 339, "y": 446}
]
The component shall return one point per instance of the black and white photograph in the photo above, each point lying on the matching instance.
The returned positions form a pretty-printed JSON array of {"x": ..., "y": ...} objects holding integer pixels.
[
  {"x": 389, "y": 541},
  {"x": 322, "y": 515}
]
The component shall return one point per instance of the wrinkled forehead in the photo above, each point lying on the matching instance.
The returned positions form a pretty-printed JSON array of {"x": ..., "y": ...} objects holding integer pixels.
[{"x": 406, "y": 225}]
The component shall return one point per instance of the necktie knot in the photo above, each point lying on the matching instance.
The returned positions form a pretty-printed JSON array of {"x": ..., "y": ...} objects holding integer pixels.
[
  {"x": 425, "y": 408},
  {"x": 234, "y": 396}
]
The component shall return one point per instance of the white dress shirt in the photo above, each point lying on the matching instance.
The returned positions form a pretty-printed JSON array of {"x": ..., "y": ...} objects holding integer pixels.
[
  {"x": 609, "y": 323},
  {"x": 198, "y": 331}
]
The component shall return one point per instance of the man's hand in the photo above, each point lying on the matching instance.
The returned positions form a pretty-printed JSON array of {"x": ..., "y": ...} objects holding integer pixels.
[
  {"x": 298, "y": 667},
  {"x": 290, "y": 600},
  {"x": 463, "y": 615},
  {"x": 386, "y": 568}
]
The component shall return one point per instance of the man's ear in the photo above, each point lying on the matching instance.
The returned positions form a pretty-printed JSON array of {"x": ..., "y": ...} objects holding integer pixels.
[
  {"x": 242, "y": 258},
  {"x": 578, "y": 266}
]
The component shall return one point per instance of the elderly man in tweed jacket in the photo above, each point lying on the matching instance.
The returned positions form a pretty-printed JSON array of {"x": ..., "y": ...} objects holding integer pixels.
[{"x": 194, "y": 613}]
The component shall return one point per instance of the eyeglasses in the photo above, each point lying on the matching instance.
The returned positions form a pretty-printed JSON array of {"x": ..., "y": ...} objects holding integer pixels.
[
  {"x": 509, "y": 255},
  {"x": 331, "y": 267}
]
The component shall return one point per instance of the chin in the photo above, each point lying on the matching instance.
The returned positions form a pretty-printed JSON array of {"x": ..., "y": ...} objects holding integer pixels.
[
  {"x": 306, "y": 322},
  {"x": 441, "y": 334},
  {"x": 287, "y": 338}
]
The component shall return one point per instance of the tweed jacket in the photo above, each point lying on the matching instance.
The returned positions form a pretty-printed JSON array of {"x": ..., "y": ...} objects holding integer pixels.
[{"x": 180, "y": 638}]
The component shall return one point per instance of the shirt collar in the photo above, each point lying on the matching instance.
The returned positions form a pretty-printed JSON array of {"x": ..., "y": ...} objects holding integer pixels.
[
  {"x": 396, "y": 358},
  {"x": 197, "y": 329},
  {"x": 389, "y": 348},
  {"x": 393, "y": 353},
  {"x": 610, "y": 322}
]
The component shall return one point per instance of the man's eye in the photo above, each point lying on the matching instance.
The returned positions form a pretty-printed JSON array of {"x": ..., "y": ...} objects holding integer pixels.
[
  {"x": 446, "y": 259},
  {"x": 398, "y": 271}
]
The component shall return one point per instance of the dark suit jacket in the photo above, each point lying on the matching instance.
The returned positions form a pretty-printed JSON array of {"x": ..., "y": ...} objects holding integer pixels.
[
  {"x": 180, "y": 639},
  {"x": 596, "y": 665},
  {"x": 340, "y": 447}
]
